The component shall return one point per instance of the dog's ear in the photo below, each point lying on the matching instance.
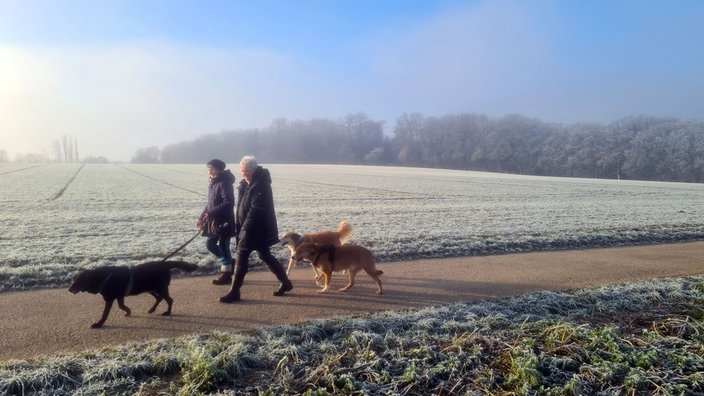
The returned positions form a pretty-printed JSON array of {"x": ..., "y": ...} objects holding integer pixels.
[{"x": 78, "y": 273}]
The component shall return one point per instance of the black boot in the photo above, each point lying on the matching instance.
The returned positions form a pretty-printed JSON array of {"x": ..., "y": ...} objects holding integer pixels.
[
  {"x": 277, "y": 269},
  {"x": 231, "y": 296},
  {"x": 285, "y": 286},
  {"x": 234, "y": 294}
]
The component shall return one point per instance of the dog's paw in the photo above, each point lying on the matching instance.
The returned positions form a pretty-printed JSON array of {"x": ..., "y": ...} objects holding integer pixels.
[
  {"x": 128, "y": 313},
  {"x": 379, "y": 293},
  {"x": 167, "y": 313},
  {"x": 151, "y": 310},
  {"x": 96, "y": 325}
]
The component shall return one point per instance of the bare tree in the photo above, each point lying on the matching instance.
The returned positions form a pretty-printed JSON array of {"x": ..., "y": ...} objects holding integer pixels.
[
  {"x": 65, "y": 149},
  {"x": 58, "y": 151},
  {"x": 66, "y": 145}
]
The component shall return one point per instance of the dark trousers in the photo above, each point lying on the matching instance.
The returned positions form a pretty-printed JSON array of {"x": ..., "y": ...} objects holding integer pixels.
[{"x": 242, "y": 266}]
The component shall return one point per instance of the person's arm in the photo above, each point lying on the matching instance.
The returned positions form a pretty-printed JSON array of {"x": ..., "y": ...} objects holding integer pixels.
[{"x": 257, "y": 206}]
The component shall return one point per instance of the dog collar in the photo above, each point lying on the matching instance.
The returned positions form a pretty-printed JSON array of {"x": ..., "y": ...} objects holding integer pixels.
[{"x": 129, "y": 282}]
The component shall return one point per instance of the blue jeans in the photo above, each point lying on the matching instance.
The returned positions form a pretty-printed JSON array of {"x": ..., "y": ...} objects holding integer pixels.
[{"x": 220, "y": 247}]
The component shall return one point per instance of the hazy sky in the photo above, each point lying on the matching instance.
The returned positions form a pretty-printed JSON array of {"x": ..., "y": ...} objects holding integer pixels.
[{"x": 122, "y": 75}]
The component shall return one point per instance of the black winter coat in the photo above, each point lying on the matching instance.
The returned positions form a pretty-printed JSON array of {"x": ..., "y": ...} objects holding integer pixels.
[
  {"x": 256, "y": 218},
  {"x": 221, "y": 204}
]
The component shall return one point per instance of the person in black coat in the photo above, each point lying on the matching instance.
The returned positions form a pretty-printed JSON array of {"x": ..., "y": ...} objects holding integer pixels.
[
  {"x": 255, "y": 227},
  {"x": 218, "y": 218}
]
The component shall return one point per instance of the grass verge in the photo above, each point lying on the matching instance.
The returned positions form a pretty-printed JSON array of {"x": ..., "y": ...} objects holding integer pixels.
[{"x": 640, "y": 338}]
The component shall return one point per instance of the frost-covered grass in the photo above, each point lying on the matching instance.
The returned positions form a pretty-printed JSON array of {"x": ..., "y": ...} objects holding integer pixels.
[
  {"x": 58, "y": 218},
  {"x": 631, "y": 339},
  {"x": 644, "y": 338}
]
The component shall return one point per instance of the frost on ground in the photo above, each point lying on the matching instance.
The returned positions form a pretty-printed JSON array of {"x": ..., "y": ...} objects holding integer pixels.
[
  {"x": 62, "y": 217},
  {"x": 642, "y": 338}
]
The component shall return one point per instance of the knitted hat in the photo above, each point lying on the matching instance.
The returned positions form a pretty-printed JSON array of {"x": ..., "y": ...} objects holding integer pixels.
[{"x": 217, "y": 164}]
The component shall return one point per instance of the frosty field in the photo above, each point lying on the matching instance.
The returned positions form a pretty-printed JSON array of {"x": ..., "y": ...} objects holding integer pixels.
[{"x": 61, "y": 217}]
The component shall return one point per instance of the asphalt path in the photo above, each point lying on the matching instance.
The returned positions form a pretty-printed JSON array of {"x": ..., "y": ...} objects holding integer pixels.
[{"x": 50, "y": 322}]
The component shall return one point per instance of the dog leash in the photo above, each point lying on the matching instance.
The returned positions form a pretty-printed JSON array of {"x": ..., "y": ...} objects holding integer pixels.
[{"x": 182, "y": 246}]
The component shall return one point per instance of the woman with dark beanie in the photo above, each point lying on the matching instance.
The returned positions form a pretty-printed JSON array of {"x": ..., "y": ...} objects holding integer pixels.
[{"x": 218, "y": 218}]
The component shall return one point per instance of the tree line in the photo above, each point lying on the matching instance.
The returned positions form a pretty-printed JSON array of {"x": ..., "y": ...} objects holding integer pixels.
[
  {"x": 64, "y": 150},
  {"x": 636, "y": 147}
]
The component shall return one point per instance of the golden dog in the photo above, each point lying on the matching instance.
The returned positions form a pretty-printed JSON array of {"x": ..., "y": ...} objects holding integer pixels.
[
  {"x": 329, "y": 258},
  {"x": 335, "y": 238}
]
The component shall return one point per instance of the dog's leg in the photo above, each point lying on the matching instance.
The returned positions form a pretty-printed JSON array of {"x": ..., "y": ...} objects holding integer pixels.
[
  {"x": 121, "y": 304},
  {"x": 352, "y": 273},
  {"x": 318, "y": 276},
  {"x": 326, "y": 277},
  {"x": 375, "y": 275},
  {"x": 158, "y": 300},
  {"x": 106, "y": 311},
  {"x": 164, "y": 293},
  {"x": 290, "y": 264},
  {"x": 170, "y": 302}
]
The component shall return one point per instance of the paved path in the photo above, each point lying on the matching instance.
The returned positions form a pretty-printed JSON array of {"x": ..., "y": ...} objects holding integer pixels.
[{"x": 48, "y": 322}]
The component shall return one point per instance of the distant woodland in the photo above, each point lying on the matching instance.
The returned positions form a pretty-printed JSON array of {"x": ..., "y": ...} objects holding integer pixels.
[{"x": 639, "y": 147}]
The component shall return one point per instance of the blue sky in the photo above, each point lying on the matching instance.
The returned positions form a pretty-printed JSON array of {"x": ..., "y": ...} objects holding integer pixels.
[{"x": 122, "y": 75}]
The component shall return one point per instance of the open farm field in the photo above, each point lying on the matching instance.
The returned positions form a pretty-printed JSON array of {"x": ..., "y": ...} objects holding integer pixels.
[
  {"x": 58, "y": 218},
  {"x": 637, "y": 338}
]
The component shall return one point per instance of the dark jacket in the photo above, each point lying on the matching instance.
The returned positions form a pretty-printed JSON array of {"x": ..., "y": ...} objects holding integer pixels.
[
  {"x": 221, "y": 204},
  {"x": 256, "y": 219}
]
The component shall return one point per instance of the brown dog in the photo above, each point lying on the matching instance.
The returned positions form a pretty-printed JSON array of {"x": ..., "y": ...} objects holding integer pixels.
[
  {"x": 115, "y": 283},
  {"x": 329, "y": 258},
  {"x": 335, "y": 238}
]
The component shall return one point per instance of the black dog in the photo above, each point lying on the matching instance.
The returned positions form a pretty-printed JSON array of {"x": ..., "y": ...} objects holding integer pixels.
[{"x": 114, "y": 283}]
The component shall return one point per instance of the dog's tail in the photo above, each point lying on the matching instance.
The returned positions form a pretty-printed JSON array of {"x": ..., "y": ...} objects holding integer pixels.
[
  {"x": 182, "y": 265},
  {"x": 345, "y": 231}
]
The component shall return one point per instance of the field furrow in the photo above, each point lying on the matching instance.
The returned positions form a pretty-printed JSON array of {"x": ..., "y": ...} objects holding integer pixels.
[{"x": 123, "y": 214}]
